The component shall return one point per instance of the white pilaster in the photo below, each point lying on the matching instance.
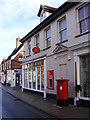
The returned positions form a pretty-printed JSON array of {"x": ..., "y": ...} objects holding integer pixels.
[
  {"x": 78, "y": 70},
  {"x": 40, "y": 78},
  {"x": 28, "y": 74},
  {"x": 36, "y": 78},
  {"x": 22, "y": 77},
  {"x": 45, "y": 77},
  {"x": 31, "y": 76},
  {"x": 14, "y": 79}
]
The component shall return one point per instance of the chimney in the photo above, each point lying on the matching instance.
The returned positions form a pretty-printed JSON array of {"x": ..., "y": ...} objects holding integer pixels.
[
  {"x": 4, "y": 58},
  {"x": 17, "y": 42}
]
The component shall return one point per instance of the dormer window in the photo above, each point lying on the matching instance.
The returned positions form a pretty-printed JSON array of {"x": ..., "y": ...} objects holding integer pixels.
[{"x": 45, "y": 11}]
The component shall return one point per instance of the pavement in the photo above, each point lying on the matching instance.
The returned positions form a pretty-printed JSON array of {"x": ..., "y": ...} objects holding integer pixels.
[{"x": 48, "y": 105}]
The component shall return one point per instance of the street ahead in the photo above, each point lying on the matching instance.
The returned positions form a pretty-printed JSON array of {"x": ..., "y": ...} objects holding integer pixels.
[{"x": 14, "y": 108}]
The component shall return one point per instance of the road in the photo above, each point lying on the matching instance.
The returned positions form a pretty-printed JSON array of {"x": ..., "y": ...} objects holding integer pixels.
[{"x": 14, "y": 108}]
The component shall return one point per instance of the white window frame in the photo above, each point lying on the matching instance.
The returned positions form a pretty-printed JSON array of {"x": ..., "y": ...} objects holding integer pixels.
[
  {"x": 48, "y": 38},
  {"x": 64, "y": 29},
  {"x": 79, "y": 21},
  {"x": 29, "y": 48},
  {"x": 37, "y": 40}
]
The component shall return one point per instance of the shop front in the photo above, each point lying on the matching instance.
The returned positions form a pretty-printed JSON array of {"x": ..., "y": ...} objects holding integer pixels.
[
  {"x": 34, "y": 76},
  {"x": 82, "y": 75},
  {"x": 85, "y": 76}
]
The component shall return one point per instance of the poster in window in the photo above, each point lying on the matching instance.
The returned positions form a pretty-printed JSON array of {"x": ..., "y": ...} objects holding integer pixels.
[{"x": 50, "y": 79}]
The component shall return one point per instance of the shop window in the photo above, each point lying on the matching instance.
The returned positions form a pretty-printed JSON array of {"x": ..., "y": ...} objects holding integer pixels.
[
  {"x": 30, "y": 77},
  {"x": 34, "y": 77},
  {"x": 42, "y": 77},
  {"x": 85, "y": 76}
]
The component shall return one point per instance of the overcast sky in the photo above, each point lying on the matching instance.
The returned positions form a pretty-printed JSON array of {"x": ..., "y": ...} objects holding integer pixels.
[{"x": 17, "y": 18}]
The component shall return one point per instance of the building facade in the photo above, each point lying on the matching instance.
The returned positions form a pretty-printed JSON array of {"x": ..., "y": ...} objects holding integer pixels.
[
  {"x": 11, "y": 68},
  {"x": 58, "y": 48}
]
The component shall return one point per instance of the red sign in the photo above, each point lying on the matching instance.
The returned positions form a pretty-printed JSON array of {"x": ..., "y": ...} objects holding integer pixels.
[
  {"x": 36, "y": 50},
  {"x": 50, "y": 79}
]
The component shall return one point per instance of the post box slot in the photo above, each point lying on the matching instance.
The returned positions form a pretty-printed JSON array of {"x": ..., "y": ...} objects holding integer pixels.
[{"x": 62, "y": 82}]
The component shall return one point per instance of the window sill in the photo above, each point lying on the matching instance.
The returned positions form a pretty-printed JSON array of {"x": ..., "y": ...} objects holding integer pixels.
[
  {"x": 47, "y": 48},
  {"x": 82, "y": 34},
  {"x": 28, "y": 56},
  {"x": 61, "y": 42}
]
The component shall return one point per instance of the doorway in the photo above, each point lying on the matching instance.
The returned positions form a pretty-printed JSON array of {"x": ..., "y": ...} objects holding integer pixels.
[
  {"x": 18, "y": 79},
  {"x": 85, "y": 75}
]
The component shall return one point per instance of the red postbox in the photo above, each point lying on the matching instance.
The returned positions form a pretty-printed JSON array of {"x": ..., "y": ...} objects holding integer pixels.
[{"x": 62, "y": 92}]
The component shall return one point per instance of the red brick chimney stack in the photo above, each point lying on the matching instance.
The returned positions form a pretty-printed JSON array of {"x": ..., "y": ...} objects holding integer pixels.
[{"x": 17, "y": 42}]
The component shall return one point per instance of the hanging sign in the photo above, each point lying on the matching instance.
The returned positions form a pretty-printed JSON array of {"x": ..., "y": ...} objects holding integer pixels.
[
  {"x": 20, "y": 58},
  {"x": 36, "y": 50}
]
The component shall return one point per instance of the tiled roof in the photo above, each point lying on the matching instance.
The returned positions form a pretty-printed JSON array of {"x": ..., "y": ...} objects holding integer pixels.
[
  {"x": 63, "y": 8},
  {"x": 14, "y": 51}
]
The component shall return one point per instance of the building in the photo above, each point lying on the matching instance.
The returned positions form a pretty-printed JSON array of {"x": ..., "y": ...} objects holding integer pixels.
[
  {"x": 59, "y": 48},
  {"x": 2, "y": 66},
  {"x": 11, "y": 68},
  {"x": 0, "y": 73}
]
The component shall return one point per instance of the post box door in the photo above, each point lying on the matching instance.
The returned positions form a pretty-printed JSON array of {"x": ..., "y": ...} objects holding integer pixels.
[{"x": 62, "y": 90}]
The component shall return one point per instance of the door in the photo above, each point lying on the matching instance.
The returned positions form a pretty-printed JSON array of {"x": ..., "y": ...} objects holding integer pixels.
[
  {"x": 85, "y": 75},
  {"x": 17, "y": 79}
]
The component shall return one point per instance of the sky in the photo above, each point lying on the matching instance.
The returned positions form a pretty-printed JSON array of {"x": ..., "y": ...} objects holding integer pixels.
[{"x": 17, "y": 18}]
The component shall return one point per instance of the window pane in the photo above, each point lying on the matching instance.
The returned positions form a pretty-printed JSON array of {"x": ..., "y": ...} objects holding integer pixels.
[
  {"x": 81, "y": 13},
  {"x": 62, "y": 24},
  {"x": 50, "y": 82},
  {"x": 87, "y": 10},
  {"x": 37, "y": 41},
  {"x": 38, "y": 77},
  {"x": 42, "y": 76},
  {"x": 34, "y": 77},
  {"x": 63, "y": 35},
  {"x": 48, "y": 34},
  {"x": 49, "y": 43},
  {"x": 30, "y": 77},
  {"x": 82, "y": 26},
  {"x": 88, "y": 24}
]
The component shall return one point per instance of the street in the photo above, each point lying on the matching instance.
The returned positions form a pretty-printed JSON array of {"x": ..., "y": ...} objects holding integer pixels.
[{"x": 14, "y": 108}]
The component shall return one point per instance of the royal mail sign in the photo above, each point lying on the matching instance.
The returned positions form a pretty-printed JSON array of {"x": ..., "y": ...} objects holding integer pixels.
[{"x": 36, "y": 50}]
